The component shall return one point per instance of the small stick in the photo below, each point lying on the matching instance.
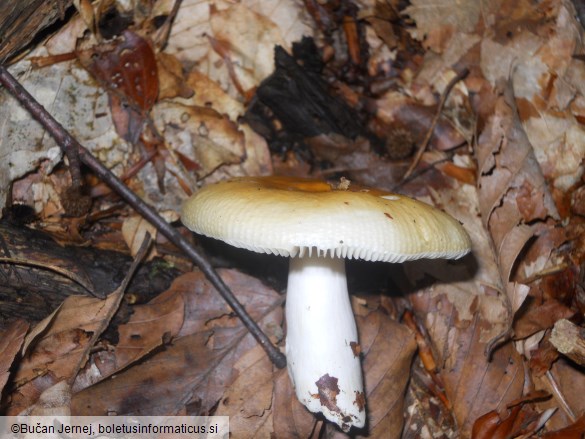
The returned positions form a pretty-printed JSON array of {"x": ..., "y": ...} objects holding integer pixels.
[
  {"x": 569, "y": 339},
  {"x": 422, "y": 148},
  {"x": 74, "y": 149}
]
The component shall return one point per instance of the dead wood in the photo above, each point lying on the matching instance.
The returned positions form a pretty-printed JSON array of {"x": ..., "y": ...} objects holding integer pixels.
[
  {"x": 569, "y": 339},
  {"x": 20, "y": 21},
  {"x": 37, "y": 274}
]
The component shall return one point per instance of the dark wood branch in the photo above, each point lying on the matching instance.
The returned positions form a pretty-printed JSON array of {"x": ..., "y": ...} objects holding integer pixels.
[
  {"x": 22, "y": 20},
  {"x": 33, "y": 291}
]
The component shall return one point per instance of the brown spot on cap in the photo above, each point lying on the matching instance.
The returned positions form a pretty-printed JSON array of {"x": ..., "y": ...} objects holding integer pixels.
[
  {"x": 328, "y": 391},
  {"x": 388, "y": 215}
]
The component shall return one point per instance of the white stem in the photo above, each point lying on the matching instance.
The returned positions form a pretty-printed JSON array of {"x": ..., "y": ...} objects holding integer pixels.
[{"x": 321, "y": 344}]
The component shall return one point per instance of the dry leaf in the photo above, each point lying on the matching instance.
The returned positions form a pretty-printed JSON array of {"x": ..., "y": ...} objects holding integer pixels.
[
  {"x": 537, "y": 318},
  {"x": 59, "y": 350},
  {"x": 126, "y": 68},
  {"x": 462, "y": 311},
  {"x": 201, "y": 134},
  {"x": 248, "y": 400},
  {"x": 193, "y": 372},
  {"x": 507, "y": 166},
  {"x": 436, "y": 20},
  {"x": 54, "y": 401},
  {"x": 247, "y": 31},
  {"x": 290, "y": 417},
  {"x": 134, "y": 229},
  {"x": 11, "y": 340},
  {"x": 388, "y": 348}
]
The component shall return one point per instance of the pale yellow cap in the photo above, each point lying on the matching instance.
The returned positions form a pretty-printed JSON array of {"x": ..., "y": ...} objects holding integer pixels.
[{"x": 295, "y": 217}]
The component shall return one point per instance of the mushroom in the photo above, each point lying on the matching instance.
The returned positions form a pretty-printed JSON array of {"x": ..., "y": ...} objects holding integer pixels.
[{"x": 317, "y": 226}]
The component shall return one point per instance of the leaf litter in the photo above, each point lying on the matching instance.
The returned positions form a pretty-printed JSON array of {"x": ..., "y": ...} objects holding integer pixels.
[{"x": 506, "y": 160}]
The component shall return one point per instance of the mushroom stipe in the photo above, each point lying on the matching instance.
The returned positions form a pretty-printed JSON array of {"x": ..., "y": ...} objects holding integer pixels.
[{"x": 317, "y": 225}]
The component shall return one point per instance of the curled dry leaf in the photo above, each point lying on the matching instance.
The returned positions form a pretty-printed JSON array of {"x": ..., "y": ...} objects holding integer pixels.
[
  {"x": 573, "y": 431},
  {"x": 507, "y": 167},
  {"x": 193, "y": 372},
  {"x": 134, "y": 229}
]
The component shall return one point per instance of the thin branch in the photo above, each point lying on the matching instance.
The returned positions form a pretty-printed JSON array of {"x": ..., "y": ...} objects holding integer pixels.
[
  {"x": 422, "y": 148},
  {"x": 113, "y": 301},
  {"x": 73, "y": 148}
]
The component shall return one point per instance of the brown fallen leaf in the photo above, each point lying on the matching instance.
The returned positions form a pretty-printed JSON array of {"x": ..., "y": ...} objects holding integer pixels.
[
  {"x": 201, "y": 134},
  {"x": 388, "y": 349},
  {"x": 151, "y": 326},
  {"x": 11, "y": 340},
  {"x": 248, "y": 400},
  {"x": 537, "y": 318},
  {"x": 493, "y": 426},
  {"x": 64, "y": 341},
  {"x": 126, "y": 67},
  {"x": 507, "y": 165},
  {"x": 290, "y": 417},
  {"x": 192, "y": 373},
  {"x": 462, "y": 310},
  {"x": 518, "y": 418},
  {"x": 58, "y": 351},
  {"x": 53, "y": 401},
  {"x": 573, "y": 431}
]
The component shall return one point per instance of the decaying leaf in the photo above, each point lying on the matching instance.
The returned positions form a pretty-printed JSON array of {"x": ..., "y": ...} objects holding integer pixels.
[
  {"x": 11, "y": 340},
  {"x": 192, "y": 373},
  {"x": 508, "y": 166},
  {"x": 59, "y": 350},
  {"x": 249, "y": 399},
  {"x": 126, "y": 68},
  {"x": 200, "y": 23},
  {"x": 388, "y": 348}
]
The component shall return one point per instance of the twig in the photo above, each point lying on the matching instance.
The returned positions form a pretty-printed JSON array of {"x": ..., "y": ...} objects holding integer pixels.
[
  {"x": 420, "y": 172},
  {"x": 569, "y": 339},
  {"x": 113, "y": 301},
  {"x": 422, "y": 148},
  {"x": 68, "y": 143}
]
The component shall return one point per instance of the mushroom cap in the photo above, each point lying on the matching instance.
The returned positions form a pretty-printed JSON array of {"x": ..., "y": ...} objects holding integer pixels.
[{"x": 292, "y": 217}]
